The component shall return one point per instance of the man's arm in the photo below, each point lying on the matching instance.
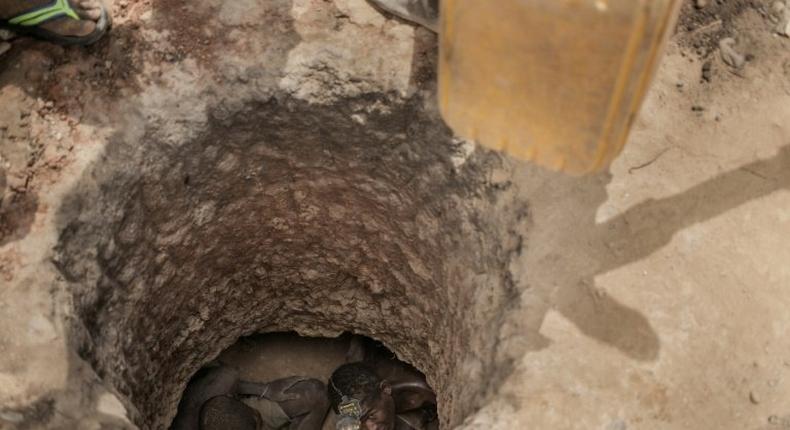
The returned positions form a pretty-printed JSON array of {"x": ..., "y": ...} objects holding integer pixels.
[
  {"x": 415, "y": 420},
  {"x": 413, "y": 395}
]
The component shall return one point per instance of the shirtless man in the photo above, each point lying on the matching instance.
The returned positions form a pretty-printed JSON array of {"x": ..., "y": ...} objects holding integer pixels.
[
  {"x": 380, "y": 393},
  {"x": 217, "y": 399}
]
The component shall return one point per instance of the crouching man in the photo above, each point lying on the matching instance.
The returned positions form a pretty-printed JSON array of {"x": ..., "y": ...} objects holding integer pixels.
[{"x": 364, "y": 400}]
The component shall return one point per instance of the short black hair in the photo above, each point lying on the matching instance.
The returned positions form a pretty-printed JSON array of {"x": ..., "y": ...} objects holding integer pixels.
[
  {"x": 227, "y": 413},
  {"x": 356, "y": 380}
]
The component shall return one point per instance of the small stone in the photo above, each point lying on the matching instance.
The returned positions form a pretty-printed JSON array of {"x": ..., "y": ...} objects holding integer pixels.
[
  {"x": 6, "y": 35},
  {"x": 12, "y": 417},
  {"x": 754, "y": 397},
  {"x": 773, "y": 419},
  {"x": 697, "y": 108},
  {"x": 729, "y": 55},
  {"x": 707, "y": 71},
  {"x": 699, "y": 4},
  {"x": 617, "y": 425},
  {"x": 4, "y": 47},
  {"x": 110, "y": 405}
]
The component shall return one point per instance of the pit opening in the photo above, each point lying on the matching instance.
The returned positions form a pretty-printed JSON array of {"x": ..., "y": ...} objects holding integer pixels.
[{"x": 284, "y": 216}]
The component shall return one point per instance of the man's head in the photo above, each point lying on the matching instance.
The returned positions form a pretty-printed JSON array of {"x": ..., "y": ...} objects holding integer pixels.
[
  {"x": 227, "y": 413},
  {"x": 356, "y": 381}
]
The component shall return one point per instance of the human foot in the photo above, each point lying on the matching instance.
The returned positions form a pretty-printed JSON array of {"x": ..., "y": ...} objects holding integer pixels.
[{"x": 68, "y": 22}]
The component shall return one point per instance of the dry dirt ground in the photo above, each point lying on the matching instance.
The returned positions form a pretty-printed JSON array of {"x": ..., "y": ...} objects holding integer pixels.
[{"x": 651, "y": 296}]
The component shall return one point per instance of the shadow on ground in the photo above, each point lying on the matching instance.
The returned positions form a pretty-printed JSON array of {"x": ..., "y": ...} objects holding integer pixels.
[{"x": 564, "y": 263}]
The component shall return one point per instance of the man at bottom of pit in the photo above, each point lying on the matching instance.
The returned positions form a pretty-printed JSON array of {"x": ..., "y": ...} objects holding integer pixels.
[
  {"x": 382, "y": 395},
  {"x": 217, "y": 399}
]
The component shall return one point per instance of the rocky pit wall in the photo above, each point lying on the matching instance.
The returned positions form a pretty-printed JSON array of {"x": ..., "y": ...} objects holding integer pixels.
[{"x": 253, "y": 167}]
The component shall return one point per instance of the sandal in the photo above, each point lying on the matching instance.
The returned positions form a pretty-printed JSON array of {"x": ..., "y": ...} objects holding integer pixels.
[{"x": 29, "y": 23}]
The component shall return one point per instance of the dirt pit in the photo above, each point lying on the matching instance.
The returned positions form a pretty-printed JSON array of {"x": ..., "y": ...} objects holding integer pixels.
[
  {"x": 285, "y": 217},
  {"x": 297, "y": 182}
]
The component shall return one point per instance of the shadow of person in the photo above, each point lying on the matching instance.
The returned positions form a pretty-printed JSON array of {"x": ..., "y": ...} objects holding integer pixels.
[{"x": 564, "y": 262}]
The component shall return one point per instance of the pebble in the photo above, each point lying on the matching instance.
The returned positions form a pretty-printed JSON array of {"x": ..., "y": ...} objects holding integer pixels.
[
  {"x": 6, "y": 35},
  {"x": 707, "y": 71},
  {"x": 781, "y": 16},
  {"x": 729, "y": 55},
  {"x": 11, "y": 417},
  {"x": 700, "y": 3},
  {"x": 754, "y": 397},
  {"x": 4, "y": 47},
  {"x": 617, "y": 425}
]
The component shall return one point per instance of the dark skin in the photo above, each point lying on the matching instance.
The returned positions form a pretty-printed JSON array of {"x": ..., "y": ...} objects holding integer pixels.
[
  {"x": 302, "y": 399},
  {"x": 404, "y": 393}
]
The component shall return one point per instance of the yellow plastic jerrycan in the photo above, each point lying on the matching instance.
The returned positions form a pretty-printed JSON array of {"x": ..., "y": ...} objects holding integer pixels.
[{"x": 558, "y": 82}]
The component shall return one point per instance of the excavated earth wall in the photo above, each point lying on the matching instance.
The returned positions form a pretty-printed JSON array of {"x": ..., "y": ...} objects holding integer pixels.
[{"x": 288, "y": 174}]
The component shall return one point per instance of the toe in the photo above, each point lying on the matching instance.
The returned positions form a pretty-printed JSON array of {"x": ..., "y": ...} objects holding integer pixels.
[
  {"x": 89, "y": 9},
  {"x": 89, "y": 4},
  {"x": 92, "y": 14}
]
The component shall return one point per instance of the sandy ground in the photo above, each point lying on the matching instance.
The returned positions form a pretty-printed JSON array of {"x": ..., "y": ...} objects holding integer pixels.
[
  {"x": 654, "y": 296},
  {"x": 665, "y": 282}
]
